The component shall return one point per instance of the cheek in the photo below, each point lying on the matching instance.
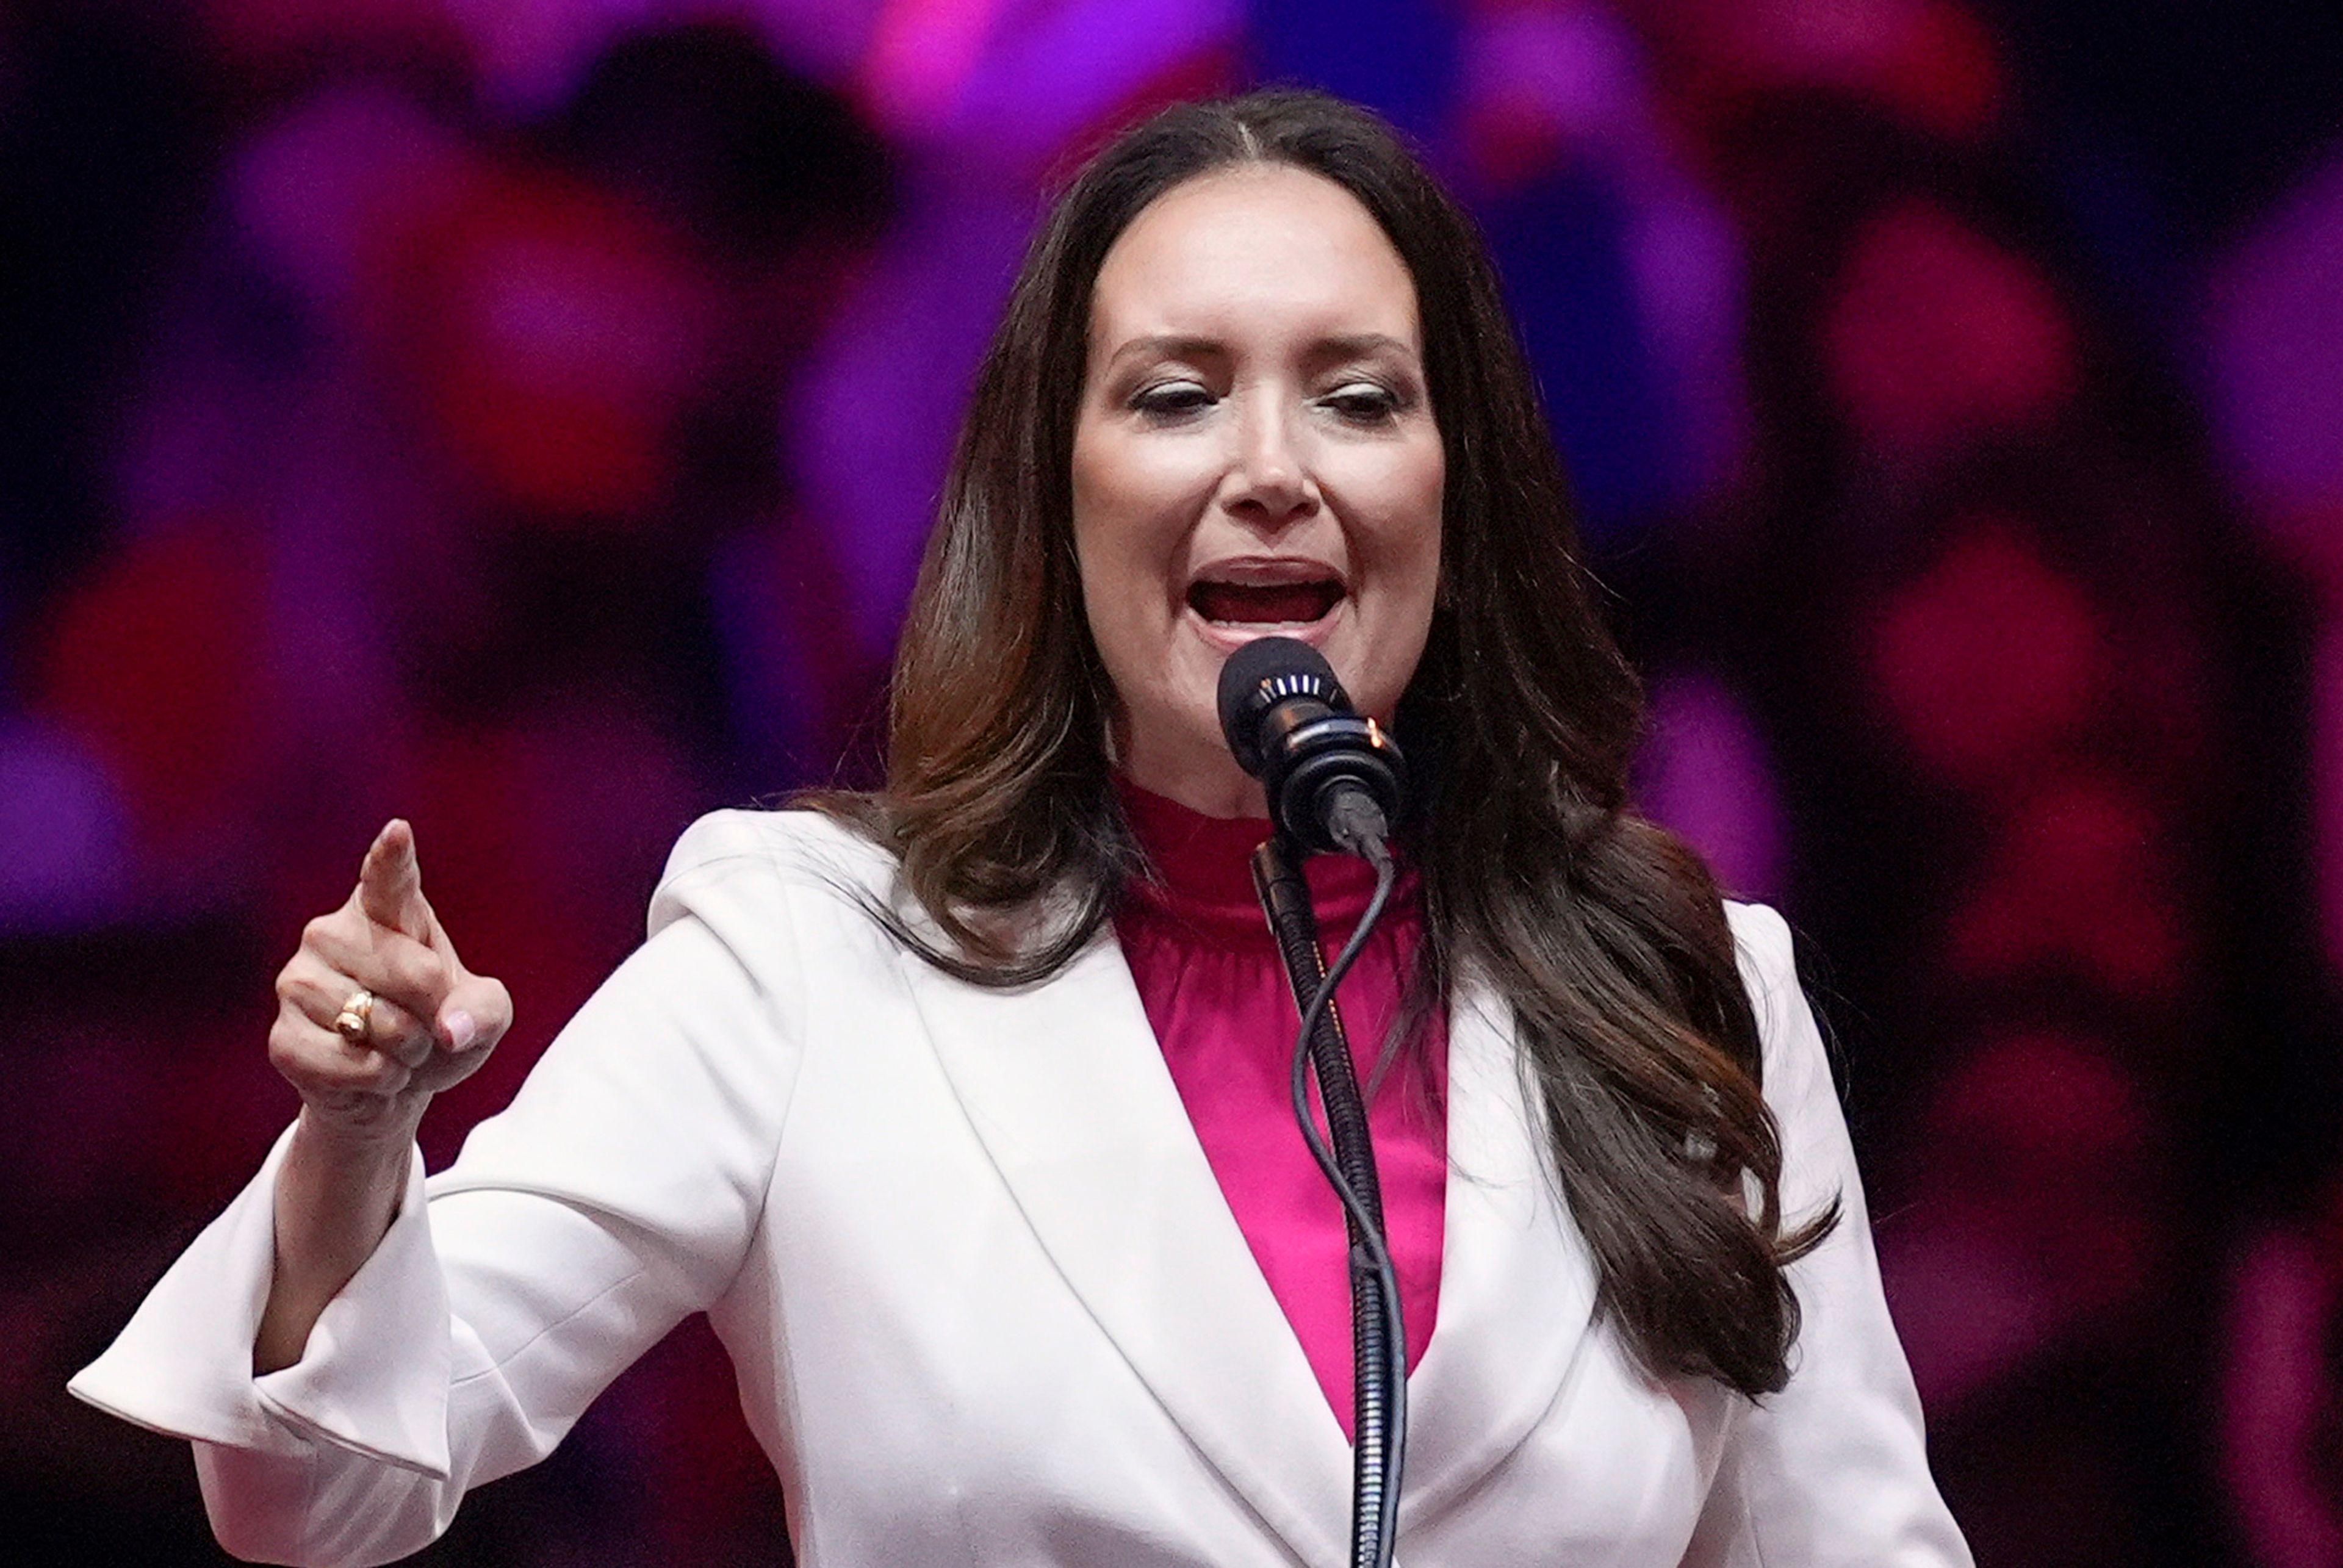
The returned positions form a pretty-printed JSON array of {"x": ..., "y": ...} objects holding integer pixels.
[
  {"x": 1123, "y": 554},
  {"x": 1404, "y": 545},
  {"x": 1132, "y": 505},
  {"x": 1135, "y": 484},
  {"x": 1404, "y": 536},
  {"x": 1105, "y": 544}
]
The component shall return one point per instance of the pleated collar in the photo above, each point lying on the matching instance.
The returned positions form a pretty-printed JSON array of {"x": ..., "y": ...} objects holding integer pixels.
[{"x": 1203, "y": 872}]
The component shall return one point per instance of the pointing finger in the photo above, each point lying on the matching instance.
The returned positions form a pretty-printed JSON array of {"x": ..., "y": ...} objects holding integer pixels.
[{"x": 390, "y": 882}]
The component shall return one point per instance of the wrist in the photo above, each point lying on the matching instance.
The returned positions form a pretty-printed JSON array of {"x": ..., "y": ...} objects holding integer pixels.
[
  {"x": 377, "y": 1132},
  {"x": 338, "y": 1192}
]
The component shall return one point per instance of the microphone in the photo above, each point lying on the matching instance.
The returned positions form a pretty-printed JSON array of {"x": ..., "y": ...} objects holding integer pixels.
[{"x": 1334, "y": 780}]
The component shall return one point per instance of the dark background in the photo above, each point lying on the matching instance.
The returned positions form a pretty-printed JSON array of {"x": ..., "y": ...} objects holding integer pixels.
[{"x": 522, "y": 416}]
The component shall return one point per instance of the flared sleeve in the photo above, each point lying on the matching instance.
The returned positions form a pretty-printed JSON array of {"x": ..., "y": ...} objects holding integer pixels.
[{"x": 619, "y": 1193}]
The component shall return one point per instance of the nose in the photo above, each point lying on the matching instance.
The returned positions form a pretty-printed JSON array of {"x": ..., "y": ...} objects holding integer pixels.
[{"x": 1269, "y": 482}]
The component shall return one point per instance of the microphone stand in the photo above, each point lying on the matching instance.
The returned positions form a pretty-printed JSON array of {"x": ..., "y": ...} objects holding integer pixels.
[{"x": 1378, "y": 1334}]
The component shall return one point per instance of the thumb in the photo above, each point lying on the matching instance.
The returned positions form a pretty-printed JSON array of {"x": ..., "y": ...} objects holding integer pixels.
[
  {"x": 478, "y": 1012},
  {"x": 391, "y": 883}
]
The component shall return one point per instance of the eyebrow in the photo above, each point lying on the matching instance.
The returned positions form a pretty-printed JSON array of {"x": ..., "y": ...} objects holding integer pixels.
[{"x": 1345, "y": 345}]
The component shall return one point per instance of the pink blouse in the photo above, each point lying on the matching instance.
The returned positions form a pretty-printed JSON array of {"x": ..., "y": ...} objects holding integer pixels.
[{"x": 1216, "y": 993}]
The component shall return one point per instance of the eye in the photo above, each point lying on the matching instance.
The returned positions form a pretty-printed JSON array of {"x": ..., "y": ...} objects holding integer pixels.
[
  {"x": 1364, "y": 402},
  {"x": 1171, "y": 399}
]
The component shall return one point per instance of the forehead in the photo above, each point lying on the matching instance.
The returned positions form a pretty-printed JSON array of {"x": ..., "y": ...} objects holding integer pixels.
[{"x": 1264, "y": 248}]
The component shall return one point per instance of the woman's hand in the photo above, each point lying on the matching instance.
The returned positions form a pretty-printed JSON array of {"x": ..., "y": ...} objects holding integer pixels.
[{"x": 431, "y": 1023}]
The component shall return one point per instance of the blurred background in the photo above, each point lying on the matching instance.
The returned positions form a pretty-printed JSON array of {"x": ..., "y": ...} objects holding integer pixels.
[{"x": 524, "y": 415}]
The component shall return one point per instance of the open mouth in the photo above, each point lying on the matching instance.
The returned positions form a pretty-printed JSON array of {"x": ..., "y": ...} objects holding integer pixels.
[{"x": 1264, "y": 604}]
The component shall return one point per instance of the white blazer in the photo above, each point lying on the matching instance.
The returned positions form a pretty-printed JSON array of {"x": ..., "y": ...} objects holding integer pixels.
[{"x": 985, "y": 1299}]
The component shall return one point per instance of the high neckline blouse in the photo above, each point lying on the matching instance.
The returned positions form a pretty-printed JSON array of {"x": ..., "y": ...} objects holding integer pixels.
[{"x": 1208, "y": 975}]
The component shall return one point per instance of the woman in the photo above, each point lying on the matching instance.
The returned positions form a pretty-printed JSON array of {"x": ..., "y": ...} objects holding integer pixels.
[{"x": 940, "y": 1102}]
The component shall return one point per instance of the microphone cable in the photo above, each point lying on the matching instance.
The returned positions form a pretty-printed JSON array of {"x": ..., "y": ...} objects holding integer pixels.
[{"x": 1380, "y": 1338}]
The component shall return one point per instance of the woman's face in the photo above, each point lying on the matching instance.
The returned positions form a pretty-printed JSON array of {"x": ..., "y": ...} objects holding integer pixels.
[{"x": 1256, "y": 455}]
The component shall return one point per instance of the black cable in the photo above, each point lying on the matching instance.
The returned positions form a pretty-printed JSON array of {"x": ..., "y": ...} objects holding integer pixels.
[{"x": 1380, "y": 1458}]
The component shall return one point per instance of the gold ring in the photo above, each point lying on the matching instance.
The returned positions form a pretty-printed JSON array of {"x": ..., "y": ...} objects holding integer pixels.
[{"x": 351, "y": 1022}]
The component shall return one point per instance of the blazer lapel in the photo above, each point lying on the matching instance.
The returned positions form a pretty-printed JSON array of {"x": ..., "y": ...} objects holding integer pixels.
[
  {"x": 1065, "y": 1086},
  {"x": 1516, "y": 1284}
]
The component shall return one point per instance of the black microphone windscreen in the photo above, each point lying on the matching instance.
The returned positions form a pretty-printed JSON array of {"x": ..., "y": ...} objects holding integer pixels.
[{"x": 1261, "y": 672}]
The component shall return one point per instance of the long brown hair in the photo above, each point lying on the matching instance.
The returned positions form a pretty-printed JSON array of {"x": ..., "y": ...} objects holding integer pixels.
[{"x": 1605, "y": 934}]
